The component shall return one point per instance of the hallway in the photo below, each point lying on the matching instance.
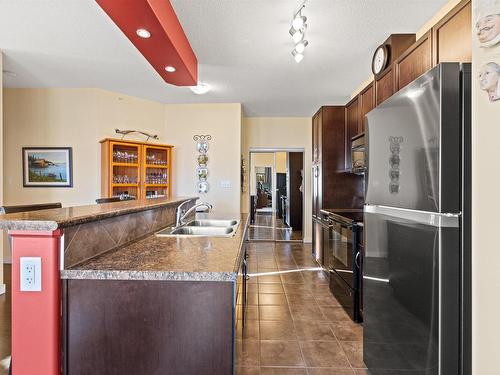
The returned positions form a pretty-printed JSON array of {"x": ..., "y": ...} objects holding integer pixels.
[
  {"x": 262, "y": 229},
  {"x": 294, "y": 325}
]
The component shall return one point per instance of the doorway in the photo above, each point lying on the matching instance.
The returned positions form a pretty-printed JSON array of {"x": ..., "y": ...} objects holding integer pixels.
[{"x": 276, "y": 195}]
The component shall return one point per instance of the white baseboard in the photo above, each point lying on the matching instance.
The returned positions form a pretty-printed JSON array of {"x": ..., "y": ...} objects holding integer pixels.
[
  {"x": 2, "y": 289},
  {"x": 7, "y": 260}
]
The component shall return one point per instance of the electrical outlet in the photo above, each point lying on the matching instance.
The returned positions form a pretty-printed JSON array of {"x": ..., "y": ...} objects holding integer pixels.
[{"x": 31, "y": 274}]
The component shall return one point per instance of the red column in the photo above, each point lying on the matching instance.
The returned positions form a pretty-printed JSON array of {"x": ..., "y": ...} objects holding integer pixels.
[{"x": 36, "y": 338}]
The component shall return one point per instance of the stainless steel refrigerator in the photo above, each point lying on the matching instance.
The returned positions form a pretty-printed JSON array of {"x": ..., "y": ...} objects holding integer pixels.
[{"x": 416, "y": 274}]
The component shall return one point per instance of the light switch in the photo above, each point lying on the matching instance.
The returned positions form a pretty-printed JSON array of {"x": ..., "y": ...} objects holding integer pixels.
[
  {"x": 225, "y": 184},
  {"x": 31, "y": 274}
]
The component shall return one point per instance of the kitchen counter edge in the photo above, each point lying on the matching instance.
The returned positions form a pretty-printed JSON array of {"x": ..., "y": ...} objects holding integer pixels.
[{"x": 57, "y": 218}]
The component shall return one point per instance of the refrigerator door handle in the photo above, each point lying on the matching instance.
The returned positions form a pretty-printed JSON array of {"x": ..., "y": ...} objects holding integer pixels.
[
  {"x": 356, "y": 260},
  {"x": 434, "y": 219}
]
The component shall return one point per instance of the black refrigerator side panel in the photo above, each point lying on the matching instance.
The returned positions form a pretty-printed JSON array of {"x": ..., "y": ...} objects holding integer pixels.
[
  {"x": 466, "y": 293},
  {"x": 450, "y": 163}
]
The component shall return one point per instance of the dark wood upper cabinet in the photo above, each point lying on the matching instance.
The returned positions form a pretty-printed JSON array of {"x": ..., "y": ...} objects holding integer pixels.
[
  {"x": 352, "y": 127},
  {"x": 332, "y": 137},
  {"x": 452, "y": 35},
  {"x": 414, "y": 62},
  {"x": 384, "y": 86},
  {"x": 328, "y": 127},
  {"x": 366, "y": 104},
  {"x": 396, "y": 45}
]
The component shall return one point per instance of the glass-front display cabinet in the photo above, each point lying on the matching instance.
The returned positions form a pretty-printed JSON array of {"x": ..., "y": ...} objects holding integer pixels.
[{"x": 135, "y": 170}]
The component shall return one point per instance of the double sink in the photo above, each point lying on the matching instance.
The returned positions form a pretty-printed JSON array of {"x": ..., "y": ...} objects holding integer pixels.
[{"x": 202, "y": 228}]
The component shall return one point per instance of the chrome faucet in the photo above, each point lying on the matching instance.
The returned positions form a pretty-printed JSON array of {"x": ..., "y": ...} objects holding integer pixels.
[{"x": 181, "y": 214}]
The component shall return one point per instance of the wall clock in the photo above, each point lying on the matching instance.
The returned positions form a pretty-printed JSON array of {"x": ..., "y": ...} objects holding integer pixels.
[{"x": 380, "y": 59}]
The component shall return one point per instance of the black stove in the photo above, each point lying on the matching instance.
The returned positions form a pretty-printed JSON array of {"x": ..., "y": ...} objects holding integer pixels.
[{"x": 343, "y": 249}]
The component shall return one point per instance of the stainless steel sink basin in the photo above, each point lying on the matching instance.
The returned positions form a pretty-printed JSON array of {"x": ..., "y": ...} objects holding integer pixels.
[
  {"x": 212, "y": 223},
  {"x": 204, "y": 231},
  {"x": 202, "y": 228}
]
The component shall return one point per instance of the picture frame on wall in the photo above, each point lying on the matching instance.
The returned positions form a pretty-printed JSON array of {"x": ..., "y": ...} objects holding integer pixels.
[{"x": 47, "y": 167}]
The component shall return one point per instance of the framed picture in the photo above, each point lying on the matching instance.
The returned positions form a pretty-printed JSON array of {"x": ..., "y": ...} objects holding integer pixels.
[{"x": 47, "y": 167}]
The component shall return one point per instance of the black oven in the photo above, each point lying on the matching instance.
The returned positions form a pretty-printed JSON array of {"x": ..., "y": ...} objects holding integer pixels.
[{"x": 343, "y": 258}]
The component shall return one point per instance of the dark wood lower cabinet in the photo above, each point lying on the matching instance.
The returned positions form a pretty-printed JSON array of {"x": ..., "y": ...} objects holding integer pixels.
[{"x": 117, "y": 327}]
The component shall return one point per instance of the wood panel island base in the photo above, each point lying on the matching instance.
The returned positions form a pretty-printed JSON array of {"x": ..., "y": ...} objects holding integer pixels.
[
  {"x": 148, "y": 327},
  {"x": 132, "y": 302},
  {"x": 160, "y": 305}
]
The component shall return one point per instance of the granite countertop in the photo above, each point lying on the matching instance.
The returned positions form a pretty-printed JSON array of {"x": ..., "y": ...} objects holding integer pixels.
[
  {"x": 170, "y": 258},
  {"x": 52, "y": 219}
]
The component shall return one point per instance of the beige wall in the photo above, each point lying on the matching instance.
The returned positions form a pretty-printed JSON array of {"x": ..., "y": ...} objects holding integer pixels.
[
  {"x": 280, "y": 132},
  {"x": 281, "y": 162},
  {"x": 77, "y": 118},
  {"x": 223, "y": 123},
  {"x": 485, "y": 208}
]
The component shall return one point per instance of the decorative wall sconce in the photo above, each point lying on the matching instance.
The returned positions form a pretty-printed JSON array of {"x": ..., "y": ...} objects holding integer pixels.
[{"x": 202, "y": 146}]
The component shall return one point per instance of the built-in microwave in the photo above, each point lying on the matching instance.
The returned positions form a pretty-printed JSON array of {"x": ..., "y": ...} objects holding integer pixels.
[{"x": 358, "y": 165}]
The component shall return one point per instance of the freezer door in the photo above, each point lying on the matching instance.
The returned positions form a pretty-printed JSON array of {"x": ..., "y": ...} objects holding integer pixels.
[
  {"x": 411, "y": 292},
  {"x": 413, "y": 139}
]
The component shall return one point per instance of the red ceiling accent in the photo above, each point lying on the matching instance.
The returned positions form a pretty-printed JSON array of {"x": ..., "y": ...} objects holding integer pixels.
[{"x": 168, "y": 44}]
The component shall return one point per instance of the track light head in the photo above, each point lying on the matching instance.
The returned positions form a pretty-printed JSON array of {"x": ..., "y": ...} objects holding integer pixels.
[
  {"x": 297, "y": 56},
  {"x": 297, "y": 35},
  {"x": 299, "y": 21},
  {"x": 301, "y": 46}
]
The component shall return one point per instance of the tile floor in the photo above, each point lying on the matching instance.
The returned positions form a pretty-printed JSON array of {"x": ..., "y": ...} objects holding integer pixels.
[
  {"x": 294, "y": 326},
  {"x": 263, "y": 229}
]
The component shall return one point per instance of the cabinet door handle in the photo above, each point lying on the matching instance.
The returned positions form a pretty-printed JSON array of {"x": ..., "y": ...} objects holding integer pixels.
[{"x": 356, "y": 260}]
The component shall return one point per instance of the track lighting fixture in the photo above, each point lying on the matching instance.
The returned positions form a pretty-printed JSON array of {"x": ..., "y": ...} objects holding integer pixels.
[{"x": 298, "y": 32}]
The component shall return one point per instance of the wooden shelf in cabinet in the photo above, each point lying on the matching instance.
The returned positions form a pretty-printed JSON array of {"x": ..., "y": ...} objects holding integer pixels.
[
  {"x": 157, "y": 166},
  {"x": 125, "y": 185},
  {"x": 120, "y": 164},
  {"x": 156, "y": 185}
]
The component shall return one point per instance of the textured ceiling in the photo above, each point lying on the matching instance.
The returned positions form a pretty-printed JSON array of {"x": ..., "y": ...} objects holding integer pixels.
[{"x": 243, "y": 48}]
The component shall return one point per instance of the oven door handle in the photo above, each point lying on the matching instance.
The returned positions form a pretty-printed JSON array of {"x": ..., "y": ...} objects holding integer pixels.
[{"x": 356, "y": 260}]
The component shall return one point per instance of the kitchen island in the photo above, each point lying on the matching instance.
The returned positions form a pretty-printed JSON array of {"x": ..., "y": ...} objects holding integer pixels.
[{"x": 134, "y": 302}]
